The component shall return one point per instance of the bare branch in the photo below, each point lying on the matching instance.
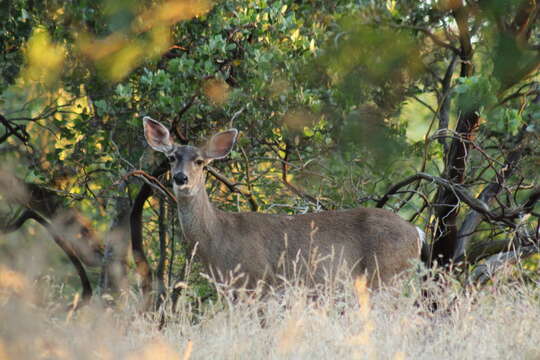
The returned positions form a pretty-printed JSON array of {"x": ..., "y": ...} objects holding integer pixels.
[
  {"x": 175, "y": 123},
  {"x": 233, "y": 187},
  {"x": 473, "y": 219},
  {"x": 429, "y": 107},
  {"x": 525, "y": 17},
  {"x": 152, "y": 181},
  {"x": 13, "y": 129},
  {"x": 461, "y": 193},
  {"x": 429, "y": 34},
  {"x": 494, "y": 263},
  {"x": 534, "y": 196},
  {"x": 142, "y": 266},
  {"x": 518, "y": 93},
  {"x": 294, "y": 189},
  {"x": 235, "y": 115}
]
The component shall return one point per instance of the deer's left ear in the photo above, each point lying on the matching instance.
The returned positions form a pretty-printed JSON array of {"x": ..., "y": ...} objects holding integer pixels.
[
  {"x": 157, "y": 135},
  {"x": 220, "y": 145}
]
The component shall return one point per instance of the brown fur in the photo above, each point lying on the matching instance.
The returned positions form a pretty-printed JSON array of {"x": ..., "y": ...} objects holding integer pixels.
[{"x": 266, "y": 247}]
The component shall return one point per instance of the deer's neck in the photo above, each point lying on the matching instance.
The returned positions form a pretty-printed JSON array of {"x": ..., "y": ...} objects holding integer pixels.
[{"x": 197, "y": 217}]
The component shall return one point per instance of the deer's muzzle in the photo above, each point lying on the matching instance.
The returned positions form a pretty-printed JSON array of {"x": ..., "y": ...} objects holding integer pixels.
[{"x": 180, "y": 178}]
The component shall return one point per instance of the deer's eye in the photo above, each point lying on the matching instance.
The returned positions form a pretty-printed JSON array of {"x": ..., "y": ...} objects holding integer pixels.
[
  {"x": 199, "y": 162},
  {"x": 171, "y": 158}
]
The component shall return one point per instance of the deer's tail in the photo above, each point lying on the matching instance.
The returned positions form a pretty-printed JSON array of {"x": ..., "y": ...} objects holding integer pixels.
[{"x": 423, "y": 245}]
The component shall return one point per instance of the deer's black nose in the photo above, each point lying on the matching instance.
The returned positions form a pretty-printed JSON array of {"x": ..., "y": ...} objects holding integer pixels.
[{"x": 180, "y": 178}]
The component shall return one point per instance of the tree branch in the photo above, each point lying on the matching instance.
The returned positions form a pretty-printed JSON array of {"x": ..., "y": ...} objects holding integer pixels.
[
  {"x": 16, "y": 225},
  {"x": 461, "y": 15},
  {"x": 429, "y": 34},
  {"x": 473, "y": 218},
  {"x": 11, "y": 129},
  {"x": 142, "y": 266},
  {"x": 494, "y": 263},
  {"x": 233, "y": 187},
  {"x": 294, "y": 189},
  {"x": 445, "y": 99},
  {"x": 525, "y": 17},
  {"x": 85, "y": 282},
  {"x": 175, "y": 123},
  {"x": 465, "y": 196},
  {"x": 152, "y": 181}
]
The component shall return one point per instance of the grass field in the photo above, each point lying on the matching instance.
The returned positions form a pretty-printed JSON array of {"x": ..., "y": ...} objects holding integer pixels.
[{"x": 346, "y": 321}]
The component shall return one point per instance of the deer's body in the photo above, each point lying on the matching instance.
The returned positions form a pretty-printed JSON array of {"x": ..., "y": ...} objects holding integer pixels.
[{"x": 266, "y": 247}]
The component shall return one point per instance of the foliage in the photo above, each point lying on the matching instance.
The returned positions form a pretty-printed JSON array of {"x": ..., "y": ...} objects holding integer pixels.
[{"x": 318, "y": 90}]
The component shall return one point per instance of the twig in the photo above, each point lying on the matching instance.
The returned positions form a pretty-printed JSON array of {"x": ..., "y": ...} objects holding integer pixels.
[
  {"x": 432, "y": 36},
  {"x": 182, "y": 137},
  {"x": 248, "y": 174},
  {"x": 235, "y": 115},
  {"x": 430, "y": 108},
  {"x": 233, "y": 187},
  {"x": 152, "y": 181},
  {"x": 18, "y": 131},
  {"x": 294, "y": 189},
  {"x": 464, "y": 195},
  {"x": 485, "y": 271}
]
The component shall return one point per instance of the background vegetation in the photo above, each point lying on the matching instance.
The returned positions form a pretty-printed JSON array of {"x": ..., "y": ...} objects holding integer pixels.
[{"x": 429, "y": 108}]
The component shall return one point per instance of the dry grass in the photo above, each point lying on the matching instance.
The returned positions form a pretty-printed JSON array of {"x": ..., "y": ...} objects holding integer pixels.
[{"x": 499, "y": 321}]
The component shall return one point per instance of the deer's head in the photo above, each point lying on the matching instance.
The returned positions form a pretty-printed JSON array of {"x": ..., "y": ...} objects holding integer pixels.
[{"x": 187, "y": 162}]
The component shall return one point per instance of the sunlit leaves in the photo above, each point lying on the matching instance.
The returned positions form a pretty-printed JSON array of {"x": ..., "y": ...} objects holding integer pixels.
[
  {"x": 44, "y": 59},
  {"x": 171, "y": 12},
  {"x": 147, "y": 36}
]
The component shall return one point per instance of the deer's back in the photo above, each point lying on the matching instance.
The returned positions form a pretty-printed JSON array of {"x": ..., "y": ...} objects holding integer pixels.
[{"x": 373, "y": 240}]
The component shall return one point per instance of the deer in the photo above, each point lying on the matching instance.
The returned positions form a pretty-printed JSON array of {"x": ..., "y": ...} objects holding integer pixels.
[{"x": 376, "y": 243}]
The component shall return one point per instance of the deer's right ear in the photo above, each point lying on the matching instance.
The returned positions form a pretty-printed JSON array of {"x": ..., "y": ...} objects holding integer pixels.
[
  {"x": 157, "y": 135},
  {"x": 220, "y": 145}
]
